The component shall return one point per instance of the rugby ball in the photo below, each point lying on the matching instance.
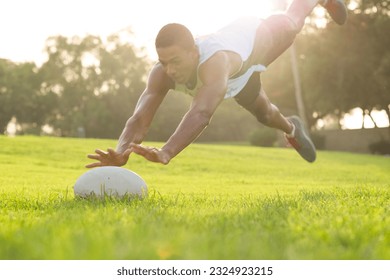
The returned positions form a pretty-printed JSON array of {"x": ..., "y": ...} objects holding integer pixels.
[{"x": 110, "y": 181}]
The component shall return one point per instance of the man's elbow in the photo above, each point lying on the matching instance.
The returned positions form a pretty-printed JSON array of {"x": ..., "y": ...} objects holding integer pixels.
[
  {"x": 137, "y": 124},
  {"x": 137, "y": 120}
]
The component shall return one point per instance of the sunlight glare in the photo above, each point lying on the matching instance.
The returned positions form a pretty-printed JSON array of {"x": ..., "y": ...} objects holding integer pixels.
[
  {"x": 201, "y": 17},
  {"x": 320, "y": 17},
  {"x": 354, "y": 119},
  {"x": 103, "y": 18}
]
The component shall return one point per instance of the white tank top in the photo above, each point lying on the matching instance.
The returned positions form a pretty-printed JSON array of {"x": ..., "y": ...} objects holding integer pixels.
[{"x": 238, "y": 37}]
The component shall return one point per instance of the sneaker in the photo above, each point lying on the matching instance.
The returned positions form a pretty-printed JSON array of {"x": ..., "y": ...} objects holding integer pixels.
[
  {"x": 337, "y": 10},
  {"x": 300, "y": 140}
]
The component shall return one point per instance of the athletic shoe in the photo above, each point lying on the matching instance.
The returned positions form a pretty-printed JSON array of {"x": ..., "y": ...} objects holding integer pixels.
[
  {"x": 337, "y": 10},
  {"x": 301, "y": 141}
]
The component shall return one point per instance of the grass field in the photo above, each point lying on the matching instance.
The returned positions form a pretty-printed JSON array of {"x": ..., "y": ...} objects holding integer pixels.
[{"x": 211, "y": 202}]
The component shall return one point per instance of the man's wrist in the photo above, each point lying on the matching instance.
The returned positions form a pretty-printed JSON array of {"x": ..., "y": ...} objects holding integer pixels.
[{"x": 168, "y": 154}]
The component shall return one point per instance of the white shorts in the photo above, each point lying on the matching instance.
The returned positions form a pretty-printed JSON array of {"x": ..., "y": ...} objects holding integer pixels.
[{"x": 239, "y": 37}]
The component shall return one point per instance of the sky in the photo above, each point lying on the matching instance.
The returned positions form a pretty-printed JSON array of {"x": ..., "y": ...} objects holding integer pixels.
[{"x": 26, "y": 24}]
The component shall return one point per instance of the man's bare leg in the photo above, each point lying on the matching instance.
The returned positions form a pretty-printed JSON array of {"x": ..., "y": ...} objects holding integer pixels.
[
  {"x": 268, "y": 114},
  {"x": 300, "y": 9},
  {"x": 281, "y": 29}
]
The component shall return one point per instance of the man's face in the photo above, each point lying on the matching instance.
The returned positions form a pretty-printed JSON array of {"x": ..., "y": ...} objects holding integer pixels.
[{"x": 180, "y": 64}]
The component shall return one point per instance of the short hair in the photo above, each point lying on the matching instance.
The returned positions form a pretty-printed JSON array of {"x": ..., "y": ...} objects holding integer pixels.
[{"x": 174, "y": 34}]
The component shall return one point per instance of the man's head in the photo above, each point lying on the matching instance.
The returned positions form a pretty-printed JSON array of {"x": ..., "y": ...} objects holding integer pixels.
[{"x": 177, "y": 52}]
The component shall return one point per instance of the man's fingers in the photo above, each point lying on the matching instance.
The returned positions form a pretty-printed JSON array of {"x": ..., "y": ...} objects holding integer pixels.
[
  {"x": 95, "y": 164},
  {"x": 111, "y": 152},
  {"x": 132, "y": 145},
  {"x": 127, "y": 153},
  {"x": 142, "y": 150},
  {"x": 100, "y": 152},
  {"x": 135, "y": 147},
  {"x": 150, "y": 153},
  {"x": 93, "y": 156},
  {"x": 139, "y": 150}
]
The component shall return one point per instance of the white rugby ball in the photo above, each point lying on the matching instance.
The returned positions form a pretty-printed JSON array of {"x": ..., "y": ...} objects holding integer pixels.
[{"x": 110, "y": 181}]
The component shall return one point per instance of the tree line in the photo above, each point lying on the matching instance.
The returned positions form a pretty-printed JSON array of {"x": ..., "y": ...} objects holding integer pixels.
[
  {"x": 89, "y": 86},
  {"x": 341, "y": 67}
]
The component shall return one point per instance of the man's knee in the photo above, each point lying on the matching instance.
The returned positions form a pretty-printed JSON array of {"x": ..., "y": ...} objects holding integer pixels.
[
  {"x": 295, "y": 25},
  {"x": 285, "y": 22}
]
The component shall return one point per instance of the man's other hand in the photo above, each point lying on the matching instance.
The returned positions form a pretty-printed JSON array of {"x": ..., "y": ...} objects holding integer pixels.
[
  {"x": 109, "y": 158},
  {"x": 150, "y": 153}
]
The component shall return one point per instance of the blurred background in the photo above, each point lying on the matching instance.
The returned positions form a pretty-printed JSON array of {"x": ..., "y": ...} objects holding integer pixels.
[{"x": 77, "y": 68}]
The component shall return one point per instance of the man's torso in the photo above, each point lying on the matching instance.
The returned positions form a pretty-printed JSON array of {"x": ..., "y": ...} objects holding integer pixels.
[{"x": 236, "y": 40}]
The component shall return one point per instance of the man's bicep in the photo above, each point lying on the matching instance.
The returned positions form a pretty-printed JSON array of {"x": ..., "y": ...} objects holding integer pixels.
[
  {"x": 208, "y": 98},
  {"x": 214, "y": 78},
  {"x": 147, "y": 106}
]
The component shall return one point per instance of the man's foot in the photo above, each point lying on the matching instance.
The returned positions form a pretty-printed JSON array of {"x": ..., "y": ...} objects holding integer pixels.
[
  {"x": 300, "y": 140},
  {"x": 336, "y": 9}
]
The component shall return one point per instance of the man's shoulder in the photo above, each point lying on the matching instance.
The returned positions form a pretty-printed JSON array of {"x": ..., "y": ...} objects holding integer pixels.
[
  {"x": 159, "y": 80},
  {"x": 223, "y": 62},
  {"x": 158, "y": 73},
  {"x": 157, "y": 69}
]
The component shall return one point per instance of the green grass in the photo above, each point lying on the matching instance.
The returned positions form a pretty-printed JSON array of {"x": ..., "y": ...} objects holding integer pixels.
[{"x": 211, "y": 202}]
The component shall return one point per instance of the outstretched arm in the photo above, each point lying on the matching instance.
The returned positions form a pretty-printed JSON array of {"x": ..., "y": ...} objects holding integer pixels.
[
  {"x": 138, "y": 124},
  {"x": 214, "y": 74}
]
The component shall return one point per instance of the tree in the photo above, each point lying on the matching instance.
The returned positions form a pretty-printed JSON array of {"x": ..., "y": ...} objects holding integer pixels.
[
  {"x": 5, "y": 94},
  {"x": 343, "y": 67},
  {"x": 97, "y": 83},
  {"x": 21, "y": 97},
  {"x": 373, "y": 7},
  {"x": 350, "y": 66}
]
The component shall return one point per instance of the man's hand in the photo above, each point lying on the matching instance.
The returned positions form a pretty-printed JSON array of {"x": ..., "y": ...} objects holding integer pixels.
[
  {"x": 151, "y": 153},
  {"x": 109, "y": 158}
]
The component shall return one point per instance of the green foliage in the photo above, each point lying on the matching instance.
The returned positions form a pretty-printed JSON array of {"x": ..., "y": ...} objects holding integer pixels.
[
  {"x": 318, "y": 140},
  {"x": 211, "y": 202},
  {"x": 20, "y": 95},
  {"x": 97, "y": 84},
  {"x": 377, "y": 7},
  {"x": 264, "y": 137},
  {"x": 341, "y": 67},
  {"x": 229, "y": 123},
  {"x": 381, "y": 147}
]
